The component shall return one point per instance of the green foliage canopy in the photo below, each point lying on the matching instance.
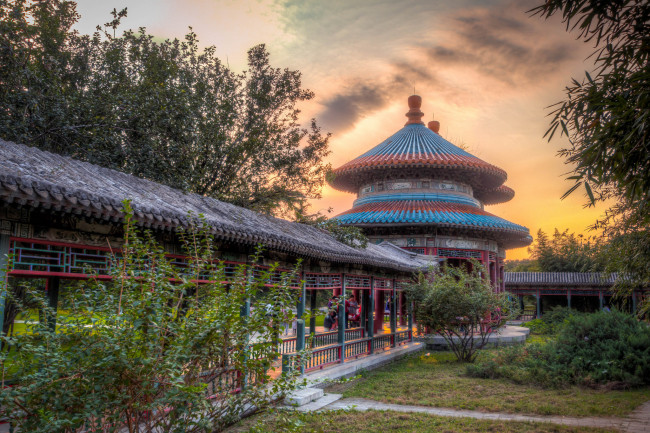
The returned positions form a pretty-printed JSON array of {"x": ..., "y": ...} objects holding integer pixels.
[
  {"x": 606, "y": 117},
  {"x": 563, "y": 252},
  {"x": 166, "y": 111},
  {"x": 566, "y": 252}
]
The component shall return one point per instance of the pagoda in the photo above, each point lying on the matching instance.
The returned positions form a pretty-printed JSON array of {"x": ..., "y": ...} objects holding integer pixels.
[{"x": 419, "y": 191}]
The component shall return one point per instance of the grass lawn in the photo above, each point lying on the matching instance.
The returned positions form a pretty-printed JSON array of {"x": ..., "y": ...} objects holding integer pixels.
[
  {"x": 320, "y": 320},
  {"x": 438, "y": 380},
  {"x": 382, "y": 421}
]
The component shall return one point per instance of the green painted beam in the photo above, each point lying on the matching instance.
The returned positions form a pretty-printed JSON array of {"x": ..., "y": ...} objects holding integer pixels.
[
  {"x": 393, "y": 311},
  {"x": 300, "y": 312},
  {"x": 4, "y": 262},
  {"x": 342, "y": 317},
  {"x": 53, "y": 284},
  {"x": 371, "y": 312},
  {"x": 312, "y": 306}
]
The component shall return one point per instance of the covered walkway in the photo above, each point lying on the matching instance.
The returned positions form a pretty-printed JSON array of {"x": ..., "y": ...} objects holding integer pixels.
[
  {"x": 587, "y": 291},
  {"x": 61, "y": 221}
]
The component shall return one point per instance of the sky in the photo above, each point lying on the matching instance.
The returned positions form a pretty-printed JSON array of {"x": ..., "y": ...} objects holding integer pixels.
[{"x": 486, "y": 70}]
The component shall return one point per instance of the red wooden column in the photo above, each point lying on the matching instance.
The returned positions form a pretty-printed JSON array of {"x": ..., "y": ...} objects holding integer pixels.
[
  {"x": 402, "y": 308},
  {"x": 379, "y": 311},
  {"x": 485, "y": 261}
]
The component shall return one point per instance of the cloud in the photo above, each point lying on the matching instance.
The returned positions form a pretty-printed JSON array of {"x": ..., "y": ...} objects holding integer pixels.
[
  {"x": 501, "y": 43},
  {"x": 467, "y": 55},
  {"x": 346, "y": 107},
  {"x": 342, "y": 110}
]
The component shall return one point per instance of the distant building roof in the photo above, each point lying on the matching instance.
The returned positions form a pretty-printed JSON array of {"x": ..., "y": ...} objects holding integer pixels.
[
  {"x": 559, "y": 279},
  {"x": 57, "y": 184}
]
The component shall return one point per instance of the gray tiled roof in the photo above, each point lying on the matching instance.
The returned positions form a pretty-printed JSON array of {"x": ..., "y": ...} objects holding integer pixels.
[
  {"x": 559, "y": 279},
  {"x": 54, "y": 183}
]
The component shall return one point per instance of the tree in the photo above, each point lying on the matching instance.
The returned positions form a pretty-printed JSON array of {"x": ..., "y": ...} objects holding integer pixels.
[
  {"x": 165, "y": 111},
  {"x": 563, "y": 252},
  {"x": 461, "y": 306},
  {"x": 606, "y": 117},
  {"x": 157, "y": 353},
  {"x": 349, "y": 235},
  {"x": 523, "y": 265},
  {"x": 566, "y": 252}
]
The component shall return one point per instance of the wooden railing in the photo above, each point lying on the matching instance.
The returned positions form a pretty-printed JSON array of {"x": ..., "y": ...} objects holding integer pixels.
[
  {"x": 403, "y": 337},
  {"x": 227, "y": 380},
  {"x": 352, "y": 349},
  {"x": 357, "y": 348},
  {"x": 288, "y": 345},
  {"x": 382, "y": 341},
  {"x": 354, "y": 334}
]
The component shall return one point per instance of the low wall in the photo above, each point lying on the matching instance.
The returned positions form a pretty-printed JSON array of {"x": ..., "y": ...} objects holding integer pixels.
[{"x": 504, "y": 336}]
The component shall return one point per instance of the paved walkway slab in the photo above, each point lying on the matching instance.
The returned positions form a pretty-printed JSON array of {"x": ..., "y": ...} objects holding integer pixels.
[
  {"x": 363, "y": 404},
  {"x": 301, "y": 397},
  {"x": 637, "y": 422},
  {"x": 319, "y": 404}
]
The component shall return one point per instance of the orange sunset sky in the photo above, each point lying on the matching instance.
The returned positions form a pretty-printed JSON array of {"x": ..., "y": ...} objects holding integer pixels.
[{"x": 485, "y": 69}]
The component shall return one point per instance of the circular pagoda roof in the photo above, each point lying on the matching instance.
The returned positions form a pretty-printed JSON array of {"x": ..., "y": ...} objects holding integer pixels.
[
  {"x": 419, "y": 152},
  {"x": 435, "y": 213},
  {"x": 417, "y": 147}
]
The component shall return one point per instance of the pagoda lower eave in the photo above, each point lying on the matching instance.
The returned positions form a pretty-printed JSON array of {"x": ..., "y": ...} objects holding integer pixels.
[{"x": 426, "y": 216}]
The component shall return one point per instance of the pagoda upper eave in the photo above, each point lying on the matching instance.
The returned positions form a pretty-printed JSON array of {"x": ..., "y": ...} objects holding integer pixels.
[
  {"x": 349, "y": 178},
  {"x": 417, "y": 148}
]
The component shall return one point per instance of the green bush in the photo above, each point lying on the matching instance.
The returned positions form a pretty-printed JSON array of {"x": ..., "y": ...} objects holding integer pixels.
[
  {"x": 558, "y": 315},
  {"x": 507, "y": 363},
  {"x": 605, "y": 347},
  {"x": 538, "y": 327},
  {"x": 552, "y": 321},
  {"x": 599, "y": 348}
]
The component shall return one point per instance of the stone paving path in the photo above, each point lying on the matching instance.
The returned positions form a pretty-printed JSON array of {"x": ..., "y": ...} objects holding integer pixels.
[{"x": 637, "y": 422}]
